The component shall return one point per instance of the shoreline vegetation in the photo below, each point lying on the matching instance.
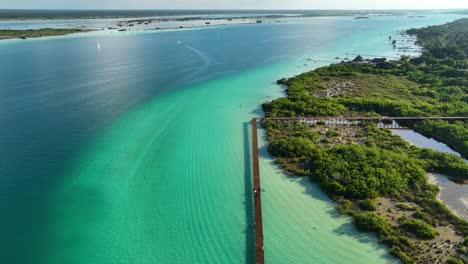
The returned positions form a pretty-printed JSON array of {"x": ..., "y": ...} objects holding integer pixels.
[
  {"x": 124, "y": 26},
  {"x": 38, "y": 33},
  {"x": 160, "y": 20},
  {"x": 160, "y": 24},
  {"x": 380, "y": 180}
]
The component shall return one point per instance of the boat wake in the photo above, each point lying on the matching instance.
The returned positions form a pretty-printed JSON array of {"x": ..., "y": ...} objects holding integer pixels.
[{"x": 206, "y": 61}]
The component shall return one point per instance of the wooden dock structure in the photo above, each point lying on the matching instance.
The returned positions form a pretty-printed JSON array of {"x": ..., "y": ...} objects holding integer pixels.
[{"x": 258, "y": 222}]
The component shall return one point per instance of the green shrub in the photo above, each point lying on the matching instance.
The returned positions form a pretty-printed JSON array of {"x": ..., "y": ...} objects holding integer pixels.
[
  {"x": 396, "y": 251},
  {"x": 360, "y": 172},
  {"x": 333, "y": 133},
  {"x": 367, "y": 205},
  {"x": 452, "y": 260},
  {"x": 292, "y": 147},
  {"x": 370, "y": 221},
  {"x": 423, "y": 216},
  {"x": 345, "y": 206},
  {"x": 419, "y": 228}
]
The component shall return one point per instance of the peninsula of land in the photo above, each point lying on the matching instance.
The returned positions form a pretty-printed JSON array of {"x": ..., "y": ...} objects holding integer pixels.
[{"x": 377, "y": 178}]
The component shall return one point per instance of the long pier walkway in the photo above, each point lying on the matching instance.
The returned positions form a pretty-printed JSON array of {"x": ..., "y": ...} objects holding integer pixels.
[
  {"x": 381, "y": 122},
  {"x": 258, "y": 222},
  {"x": 363, "y": 118}
]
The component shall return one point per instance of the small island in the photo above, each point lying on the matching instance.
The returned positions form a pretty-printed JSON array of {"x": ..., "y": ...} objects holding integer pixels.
[
  {"x": 38, "y": 33},
  {"x": 375, "y": 177}
]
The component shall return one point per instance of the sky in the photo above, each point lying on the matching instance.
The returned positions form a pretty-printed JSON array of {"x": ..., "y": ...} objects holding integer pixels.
[{"x": 234, "y": 4}]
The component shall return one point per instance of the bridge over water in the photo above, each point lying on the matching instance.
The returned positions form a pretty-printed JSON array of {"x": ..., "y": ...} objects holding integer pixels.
[{"x": 382, "y": 121}]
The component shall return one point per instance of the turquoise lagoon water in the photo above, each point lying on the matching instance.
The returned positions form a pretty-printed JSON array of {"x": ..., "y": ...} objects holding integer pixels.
[{"x": 139, "y": 152}]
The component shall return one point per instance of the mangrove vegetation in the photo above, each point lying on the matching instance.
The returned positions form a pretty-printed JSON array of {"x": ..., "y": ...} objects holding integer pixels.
[
  {"x": 37, "y": 33},
  {"x": 377, "y": 178}
]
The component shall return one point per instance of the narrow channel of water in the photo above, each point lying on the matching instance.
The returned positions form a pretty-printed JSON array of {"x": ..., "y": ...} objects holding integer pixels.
[{"x": 454, "y": 195}]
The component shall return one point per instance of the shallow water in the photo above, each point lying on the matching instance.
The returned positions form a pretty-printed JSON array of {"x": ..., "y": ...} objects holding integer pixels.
[
  {"x": 454, "y": 195},
  {"x": 139, "y": 152}
]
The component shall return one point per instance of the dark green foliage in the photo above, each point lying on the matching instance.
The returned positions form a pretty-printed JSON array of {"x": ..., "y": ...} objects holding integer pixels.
[
  {"x": 361, "y": 172},
  {"x": 452, "y": 260},
  {"x": 445, "y": 41},
  {"x": 423, "y": 216},
  {"x": 367, "y": 205},
  {"x": 419, "y": 228},
  {"x": 303, "y": 106},
  {"x": 384, "y": 139},
  {"x": 292, "y": 147},
  {"x": 35, "y": 33},
  {"x": 454, "y": 134},
  {"x": 443, "y": 163},
  {"x": 345, "y": 206},
  {"x": 400, "y": 245},
  {"x": 370, "y": 221},
  {"x": 401, "y": 254},
  {"x": 333, "y": 133}
]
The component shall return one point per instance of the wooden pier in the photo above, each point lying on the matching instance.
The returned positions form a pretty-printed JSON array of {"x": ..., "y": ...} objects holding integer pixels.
[{"x": 258, "y": 223}]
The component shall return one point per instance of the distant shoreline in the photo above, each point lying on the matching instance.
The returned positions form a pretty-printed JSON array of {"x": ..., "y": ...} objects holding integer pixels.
[
  {"x": 188, "y": 17},
  {"x": 39, "y": 33},
  {"x": 25, "y": 14}
]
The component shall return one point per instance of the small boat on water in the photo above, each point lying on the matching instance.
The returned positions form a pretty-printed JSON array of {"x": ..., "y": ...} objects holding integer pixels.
[{"x": 99, "y": 46}]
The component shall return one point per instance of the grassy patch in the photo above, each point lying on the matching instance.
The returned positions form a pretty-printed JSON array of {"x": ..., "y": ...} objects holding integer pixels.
[{"x": 384, "y": 86}]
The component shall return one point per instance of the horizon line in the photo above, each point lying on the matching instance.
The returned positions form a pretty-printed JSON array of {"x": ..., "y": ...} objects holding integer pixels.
[{"x": 227, "y": 9}]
